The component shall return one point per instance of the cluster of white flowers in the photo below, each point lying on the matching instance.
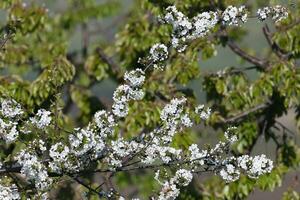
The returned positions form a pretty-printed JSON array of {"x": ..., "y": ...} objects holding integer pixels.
[
  {"x": 34, "y": 170},
  {"x": 230, "y": 173},
  {"x": 197, "y": 156},
  {"x": 277, "y": 13},
  {"x": 87, "y": 140},
  {"x": 173, "y": 115},
  {"x": 230, "y": 134},
  {"x": 155, "y": 151},
  {"x": 59, "y": 154},
  {"x": 185, "y": 29},
  {"x": 204, "y": 113},
  {"x": 8, "y": 130},
  {"x": 170, "y": 189},
  {"x": 124, "y": 93},
  {"x": 234, "y": 16},
  {"x": 9, "y": 193},
  {"x": 105, "y": 123},
  {"x": 10, "y": 108},
  {"x": 255, "y": 166},
  {"x": 159, "y": 52},
  {"x": 10, "y": 113},
  {"x": 136, "y": 77},
  {"x": 120, "y": 149},
  {"x": 42, "y": 119}
]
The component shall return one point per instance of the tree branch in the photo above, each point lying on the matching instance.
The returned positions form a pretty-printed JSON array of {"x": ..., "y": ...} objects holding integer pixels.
[
  {"x": 274, "y": 46},
  {"x": 263, "y": 64},
  {"x": 242, "y": 115}
]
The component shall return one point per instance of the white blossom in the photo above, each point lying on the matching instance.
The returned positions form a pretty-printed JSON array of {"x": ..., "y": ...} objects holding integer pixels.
[
  {"x": 277, "y": 13},
  {"x": 135, "y": 78},
  {"x": 34, "y": 170},
  {"x": 255, "y": 166},
  {"x": 105, "y": 122},
  {"x": 183, "y": 177},
  {"x": 202, "y": 112},
  {"x": 8, "y": 130},
  {"x": 230, "y": 173},
  {"x": 233, "y": 15},
  {"x": 230, "y": 134},
  {"x": 197, "y": 156},
  {"x": 42, "y": 119},
  {"x": 9, "y": 193},
  {"x": 10, "y": 108},
  {"x": 170, "y": 189},
  {"x": 159, "y": 52}
]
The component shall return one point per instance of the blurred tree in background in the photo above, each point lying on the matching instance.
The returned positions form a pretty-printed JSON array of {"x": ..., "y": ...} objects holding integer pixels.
[{"x": 41, "y": 68}]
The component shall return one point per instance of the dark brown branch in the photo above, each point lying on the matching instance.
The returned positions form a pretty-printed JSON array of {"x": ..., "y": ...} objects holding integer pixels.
[
  {"x": 114, "y": 67},
  {"x": 244, "y": 114},
  {"x": 274, "y": 46},
  {"x": 263, "y": 64},
  {"x": 100, "y": 194}
]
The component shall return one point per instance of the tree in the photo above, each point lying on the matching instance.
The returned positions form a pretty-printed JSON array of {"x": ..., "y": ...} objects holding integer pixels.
[{"x": 148, "y": 127}]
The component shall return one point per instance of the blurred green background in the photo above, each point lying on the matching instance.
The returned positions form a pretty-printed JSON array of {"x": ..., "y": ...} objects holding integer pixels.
[{"x": 104, "y": 31}]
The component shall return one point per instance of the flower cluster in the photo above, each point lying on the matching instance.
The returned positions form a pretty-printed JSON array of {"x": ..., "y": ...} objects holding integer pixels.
[
  {"x": 170, "y": 189},
  {"x": 34, "y": 170},
  {"x": 234, "y": 16},
  {"x": 10, "y": 108},
  {"x": 136, "y": 77},
  {"x": 196, "y": 156},
  {"x": 230, "y": 173},
  {"x": 204, "y": 113},
  {"x": 230, "y": 134},
  {"x": 255, "y": 166},
  {"x": 155, "y": 151},
  {"x": 277, "y": 13},
  {"x": 10, "y": 113},
  {"x": 121, "y": 149},
  {"x": 42, "y": 119},
  {"x": 159, "y": 52},
  {"x": 185, "y": 29},
  {"x": 124, "y": 93},
  {"x": 173, "y": 115},
  {"x": 9, "y": 193}
]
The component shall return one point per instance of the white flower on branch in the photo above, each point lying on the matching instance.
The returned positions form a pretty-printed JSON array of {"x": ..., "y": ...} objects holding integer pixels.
[
  {"x": 10, "y": 108},
  {"x": 255, "y": 166},
  {"x": 159, "y": 52},
  {"x": 170, "y": 189},
  {"x": 233, "y": 15},
  {"x": 42, "y": 119},
  {"x": 197, "y": 156},
  {"x": 9, "y": 193},
  {"x": 34, "y": 170},
  {"x": 135, "y": 78},
  {"x": 122, "y": 95},
  {"x": 277, "y": 13},
  {"x": 230, "y": 134},
  {"x": 8, "y": 130},
  {"x": 230, "y": 173},
  {"x": 202, "y": 112},
  {"x": 105, "y": 122}
]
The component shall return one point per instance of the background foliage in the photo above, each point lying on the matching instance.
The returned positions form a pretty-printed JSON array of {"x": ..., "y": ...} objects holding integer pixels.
[{"x": 61, "y": 56}]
